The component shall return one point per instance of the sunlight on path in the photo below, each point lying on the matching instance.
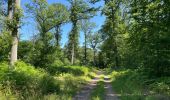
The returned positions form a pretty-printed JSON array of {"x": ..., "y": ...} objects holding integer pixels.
[
  {"x": 110, "y": 95},
  {"x": 84, "y": 94}
]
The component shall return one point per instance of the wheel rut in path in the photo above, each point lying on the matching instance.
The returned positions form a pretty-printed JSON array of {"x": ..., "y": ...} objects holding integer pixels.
[
  {"x": 109, "y": 94},
  {"x": 84, "y": 94},
  {"x": 86, "y": 91}
]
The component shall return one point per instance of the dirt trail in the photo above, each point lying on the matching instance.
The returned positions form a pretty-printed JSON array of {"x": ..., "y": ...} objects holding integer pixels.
[
  {"x": 110, "y": 95},
  {"x": 84, "y": 94}
]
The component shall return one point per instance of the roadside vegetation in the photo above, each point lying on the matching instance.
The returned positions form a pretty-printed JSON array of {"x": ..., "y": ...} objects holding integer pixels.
[
  {"x": 47, "y": 46},
  {"x": 136, "y": 85},
  {"x": 26, "y": 82}
]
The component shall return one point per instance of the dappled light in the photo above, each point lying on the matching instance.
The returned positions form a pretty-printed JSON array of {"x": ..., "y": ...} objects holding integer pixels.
[{"x": 84, "y": 49}]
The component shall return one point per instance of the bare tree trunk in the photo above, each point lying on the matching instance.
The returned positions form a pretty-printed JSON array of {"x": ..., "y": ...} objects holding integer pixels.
[
  {"x": 10, "y": 14},
  {"x": 15, "y": 38},
  {"x": 14, "y": 50},
  {"x": 72, "y": 54},
  {"x": 57, "y": 35},
  {"x": 85, "y": 49},
  {"x": 94, "y": 57}
]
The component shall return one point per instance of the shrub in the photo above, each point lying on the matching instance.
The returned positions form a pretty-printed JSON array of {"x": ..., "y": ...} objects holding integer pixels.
[
  {"x": 66, "y": 61},
  {"x": 75, "y": 70},
  {"x": 25, "y": 81}
]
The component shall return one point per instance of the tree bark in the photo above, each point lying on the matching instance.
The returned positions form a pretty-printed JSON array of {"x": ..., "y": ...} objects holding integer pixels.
[
  {"x": 15, "y": 38},
  {"x": 57, "y": 35},
  {"x": 74, "y": 41},
  {"x": 94, "y": 57},
  {"x": 85, "y": 48},
  {"x": 10, "y": 10},
  {"x": 72, "y": 54}
]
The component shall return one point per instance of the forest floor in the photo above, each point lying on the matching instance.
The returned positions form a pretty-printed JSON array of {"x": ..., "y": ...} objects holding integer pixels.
[{"x": 86, "y": 92}]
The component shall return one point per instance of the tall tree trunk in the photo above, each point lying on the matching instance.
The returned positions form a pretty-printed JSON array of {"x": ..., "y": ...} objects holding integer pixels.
[
  {"x": 10, "y": 10},
  {"x": 94, "y": 57},
  {"x": 15, "y": 38},
  {"x": 72, "y": 54},
  {"x": 57, "y": 35},
  {"x": 115, "y": 47},
  {"x": 74, "y": 41},
  {"x": 85, "y": 48}
]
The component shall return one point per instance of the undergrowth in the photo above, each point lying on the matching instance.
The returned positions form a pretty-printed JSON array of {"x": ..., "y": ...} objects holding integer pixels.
[
  {"x": 135, "y": 85},
  {"x": 25, "y": 82}
]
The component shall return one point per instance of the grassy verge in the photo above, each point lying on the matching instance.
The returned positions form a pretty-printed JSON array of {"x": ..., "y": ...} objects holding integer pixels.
[
  {"x": 28, "y": 83},
  {"x": 98, "y": 92},
  {"x": 133, "y": 85}
]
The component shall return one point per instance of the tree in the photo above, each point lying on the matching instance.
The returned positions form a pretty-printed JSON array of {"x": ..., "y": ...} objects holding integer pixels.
[
  {"x": 61, "y": 16},
  {"x": 111, "y": 30},
  {"x": 86, "y": 27},
  {"x": 5, "y": 36},
  {"x": 79, "y": 9},
  {"x": 47, "y": 17},
  {"x": 14, "y": 15},
  {"x": 94, "y": 39},
  {"x": 149, "y": 35}
]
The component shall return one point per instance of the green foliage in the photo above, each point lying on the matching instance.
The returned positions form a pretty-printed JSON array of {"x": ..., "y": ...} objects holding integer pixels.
[
  {"x": 25, "y": 50},
  {"x": 5, "y": 41},
  {"x": 47, "y": 16},
  {"x": 43, "y": 52},
  {"x": 148, "y": 36},
  {"x": 137, "y": 85},
  {"x": 66, "y": 61},
  {"x": 25, "y": 81},
  {"x": 15, "y": 21},
  {"x": 75, "y": 70},
  {"x": 112, "y": 31},
  {"x": 80, "y": 9}
]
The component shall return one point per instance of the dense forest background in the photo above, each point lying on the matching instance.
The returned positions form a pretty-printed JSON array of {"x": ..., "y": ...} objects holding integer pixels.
[{"x": 135, "y": 35}]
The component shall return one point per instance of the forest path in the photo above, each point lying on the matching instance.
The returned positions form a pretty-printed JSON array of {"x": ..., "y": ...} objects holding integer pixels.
[
  {"x": 86, "y": 91},
  {"x": 109, "y": 94}
]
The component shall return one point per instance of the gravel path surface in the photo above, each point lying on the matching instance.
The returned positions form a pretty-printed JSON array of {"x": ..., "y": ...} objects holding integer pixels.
[
  {"x": 84, "y": 94},
  {"x": 110, "y": 95}
]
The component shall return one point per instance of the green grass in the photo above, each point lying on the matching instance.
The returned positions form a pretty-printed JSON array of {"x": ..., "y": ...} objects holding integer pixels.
[
  {"x": 26, "y": 82},
  {"x": 98, "y": 92},
  {"x": 133, "y": 85}
]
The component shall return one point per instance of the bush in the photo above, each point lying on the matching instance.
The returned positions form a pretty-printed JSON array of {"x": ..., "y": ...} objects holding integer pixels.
[
  {"x": 70, "y": 84},
  {"x": 48, "y": 85},
  {"x": 139, "y": 85},
  {"x": 25, "y": 81},
  {"x": 66, "y": 61},
  {"x": 75, "y": 70}
]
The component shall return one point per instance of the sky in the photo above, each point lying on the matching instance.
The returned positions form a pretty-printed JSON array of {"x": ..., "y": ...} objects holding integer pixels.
[{"x": 29, "y": 29}]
